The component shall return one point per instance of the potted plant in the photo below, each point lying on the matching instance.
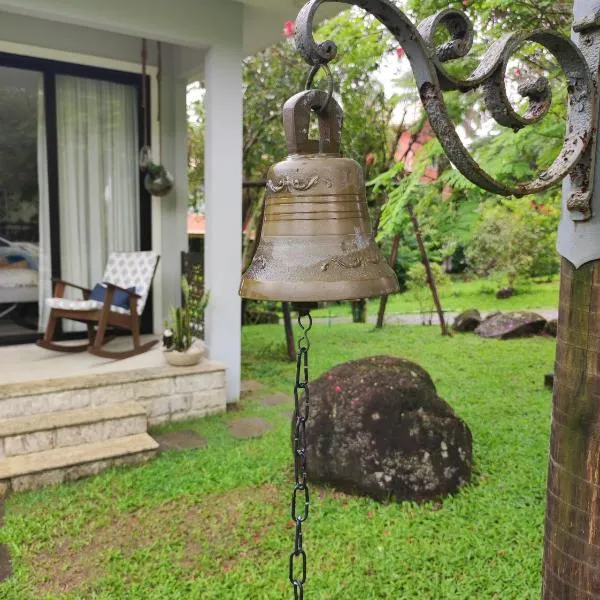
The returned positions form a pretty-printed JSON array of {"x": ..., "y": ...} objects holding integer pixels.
[{"x": 180, "y": 347}]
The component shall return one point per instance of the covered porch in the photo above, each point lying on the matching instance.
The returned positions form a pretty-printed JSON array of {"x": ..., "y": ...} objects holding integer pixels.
[{"x": 199, "y": 41}]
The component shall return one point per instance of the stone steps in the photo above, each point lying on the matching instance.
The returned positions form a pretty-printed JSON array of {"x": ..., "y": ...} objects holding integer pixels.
[
  {"x": 49, "y": 467},
  {"x": 39, "y": 433}
]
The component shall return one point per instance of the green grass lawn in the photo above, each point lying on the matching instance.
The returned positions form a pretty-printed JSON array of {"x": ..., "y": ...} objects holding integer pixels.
[
  {"x": 214, "y": 523},
  {"x": 462, "y": 295}
]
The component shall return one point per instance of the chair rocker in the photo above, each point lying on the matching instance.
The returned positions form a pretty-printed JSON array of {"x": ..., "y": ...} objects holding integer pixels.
[{"x": 123, "y": 270}]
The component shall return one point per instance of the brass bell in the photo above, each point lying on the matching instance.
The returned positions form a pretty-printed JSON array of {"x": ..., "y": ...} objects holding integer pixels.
[{"x": 316, "y": 242}]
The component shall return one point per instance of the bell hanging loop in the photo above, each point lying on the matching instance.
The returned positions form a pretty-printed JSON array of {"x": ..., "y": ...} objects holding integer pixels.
[{"x": 316, "y": 242}]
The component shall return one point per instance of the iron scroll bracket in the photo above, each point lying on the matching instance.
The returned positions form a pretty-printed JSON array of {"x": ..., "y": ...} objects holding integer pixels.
[{"x": 579, "y": 59}]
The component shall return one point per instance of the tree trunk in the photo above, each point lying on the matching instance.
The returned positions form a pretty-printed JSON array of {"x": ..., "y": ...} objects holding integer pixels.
[
  {"x": 252, "y": 245},
  {"x": 428, "y": 271},
  {"x": 289, "y": 332},
  {"x": 572, "y": 542},
  {"x": 359, "y": 311},
  {"x": 384, "y": 298}
]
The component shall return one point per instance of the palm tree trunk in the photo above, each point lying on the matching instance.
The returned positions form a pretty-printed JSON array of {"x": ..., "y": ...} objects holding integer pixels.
[{"x": 572, "y": 542}]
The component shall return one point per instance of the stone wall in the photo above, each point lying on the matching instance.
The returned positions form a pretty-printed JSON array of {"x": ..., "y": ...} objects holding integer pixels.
[{"x": 168, "y": 393}]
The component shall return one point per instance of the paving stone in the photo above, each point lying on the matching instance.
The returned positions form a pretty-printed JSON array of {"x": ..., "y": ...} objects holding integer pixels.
[
  {"x": 248, "y": 427},
  {"x": 179, "y": 440},
  {"x": 5, "y": 564},
  {"x": 249, "y": 386},
  {"x": 275, "y": 399}
]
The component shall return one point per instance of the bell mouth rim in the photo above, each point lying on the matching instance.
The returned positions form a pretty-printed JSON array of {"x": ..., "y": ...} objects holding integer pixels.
[{"x": 328, "y": 291}]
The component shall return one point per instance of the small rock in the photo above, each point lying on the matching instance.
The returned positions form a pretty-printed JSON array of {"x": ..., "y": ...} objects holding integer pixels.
[
  {"x": 551, "y": 327},
  {"x": 467, "y": 320},
  {"x": 248, "y": 427},
  {"x": 504, "y": 293},
  {"x": 511, "y": 325},
  {"x": 179, "y": 440},
  {"x": 492, "y": 315}
]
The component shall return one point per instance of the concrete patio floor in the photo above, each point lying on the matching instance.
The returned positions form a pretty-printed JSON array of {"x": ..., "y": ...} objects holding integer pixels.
[{"x": 28, "y": 362}]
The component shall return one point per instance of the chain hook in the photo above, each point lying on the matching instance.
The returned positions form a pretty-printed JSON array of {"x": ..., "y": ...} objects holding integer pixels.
[{"x": 309, "y": 82}]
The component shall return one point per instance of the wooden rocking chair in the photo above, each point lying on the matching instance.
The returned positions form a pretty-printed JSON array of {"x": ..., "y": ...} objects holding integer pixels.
[{"x": 123, "y": 270}]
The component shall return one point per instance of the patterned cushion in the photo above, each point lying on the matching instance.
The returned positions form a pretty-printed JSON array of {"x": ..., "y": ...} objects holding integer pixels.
[
  {"x": 66, "y": 304},
  {"x": 132, "y": 269}
]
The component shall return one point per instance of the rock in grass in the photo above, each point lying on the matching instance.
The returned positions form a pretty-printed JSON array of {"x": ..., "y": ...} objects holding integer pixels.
[
  {"x": 468, "y": 320},
  {"x": 378, "y": 428},
  {"x": 511, "y": 325},
  {"x": 504, "y": 293},
  {"x": 551, "y": 327}
]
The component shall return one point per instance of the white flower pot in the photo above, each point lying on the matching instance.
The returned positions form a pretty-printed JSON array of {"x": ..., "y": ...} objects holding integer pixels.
[{"x": 190, "y": 357}]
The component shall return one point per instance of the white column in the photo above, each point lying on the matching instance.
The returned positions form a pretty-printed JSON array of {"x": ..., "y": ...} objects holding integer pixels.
[
  {"x": 223, "y": 196},
  {"x": 173, "y": 154}
]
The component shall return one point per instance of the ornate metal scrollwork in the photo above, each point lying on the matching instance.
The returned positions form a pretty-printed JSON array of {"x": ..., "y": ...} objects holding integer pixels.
[{"x": 427, "y": 63}]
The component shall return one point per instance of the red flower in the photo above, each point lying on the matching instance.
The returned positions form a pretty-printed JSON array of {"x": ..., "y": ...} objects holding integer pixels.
[
  {"x": 370, "y": 159},
  {"x": 289, "y": 29},
  {"x": 330, "y": 377},
  {"x": 465, "y": 2},
  {"x": 517, "y": 72},
  {"x": 400, "y": 52},
  {"x": 338, "y": 389}
]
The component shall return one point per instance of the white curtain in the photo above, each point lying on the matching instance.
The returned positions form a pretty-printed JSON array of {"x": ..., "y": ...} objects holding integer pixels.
[
  {"x": 98, "y": 176},
  {"x": 44, "y": 255}
]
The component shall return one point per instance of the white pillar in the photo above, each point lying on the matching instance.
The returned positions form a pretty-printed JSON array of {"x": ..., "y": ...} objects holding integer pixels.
[
  {"x": 223, "y": 196},
  {"x": 173, "y": 154}
]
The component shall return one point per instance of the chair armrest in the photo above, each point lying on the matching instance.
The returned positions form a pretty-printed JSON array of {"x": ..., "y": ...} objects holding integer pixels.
[
  {"x": 116, "y": 287},
  {"x": 59, "y": 283}
]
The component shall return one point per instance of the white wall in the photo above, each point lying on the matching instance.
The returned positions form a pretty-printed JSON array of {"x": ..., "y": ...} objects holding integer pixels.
[
  {"x": 79, "y": 42},
  {"x": 193, "y": 23}
]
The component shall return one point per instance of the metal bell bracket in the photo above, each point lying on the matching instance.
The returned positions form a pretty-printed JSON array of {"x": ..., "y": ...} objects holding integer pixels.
[{"x": 579, "y": 58}]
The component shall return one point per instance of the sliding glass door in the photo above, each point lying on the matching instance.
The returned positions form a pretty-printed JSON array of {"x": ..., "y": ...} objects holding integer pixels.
[
  {"x": 22, "y": 165},
  {"x": 98, "y": 176},
  {"x": 70, "y": 190}
]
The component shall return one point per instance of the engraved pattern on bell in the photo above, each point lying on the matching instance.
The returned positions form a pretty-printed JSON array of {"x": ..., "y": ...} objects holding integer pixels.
[{"x": 290, "y": 184}]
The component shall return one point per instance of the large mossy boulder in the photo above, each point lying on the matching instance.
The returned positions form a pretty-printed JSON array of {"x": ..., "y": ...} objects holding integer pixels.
[
  {"x": 377, "y": 427},
  {"x": 468, "y": 320},
  {"x": 511, "y": 325}
]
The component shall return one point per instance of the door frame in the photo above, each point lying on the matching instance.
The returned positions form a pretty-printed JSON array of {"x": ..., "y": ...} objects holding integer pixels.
[{"x": 49, "y": 70}]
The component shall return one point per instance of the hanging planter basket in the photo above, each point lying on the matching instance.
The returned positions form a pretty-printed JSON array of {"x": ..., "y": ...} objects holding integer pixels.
[{"x": 158, "y": 180}]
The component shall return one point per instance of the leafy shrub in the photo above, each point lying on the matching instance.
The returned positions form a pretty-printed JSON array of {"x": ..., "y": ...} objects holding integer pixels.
[
  {"x": 514, "y": 241},
  {"x": 418, "y": 286}
]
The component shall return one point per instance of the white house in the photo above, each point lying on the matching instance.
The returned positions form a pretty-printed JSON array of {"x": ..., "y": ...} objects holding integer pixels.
[{"x": 81, "y": 60}]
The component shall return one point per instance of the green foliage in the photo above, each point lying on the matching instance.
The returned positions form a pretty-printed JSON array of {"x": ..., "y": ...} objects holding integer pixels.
[
  {"x": 213, "y": 523},
  {"x": 196, "y": 300},
  {"x": 418, "y": 285},
  {"x": 514, "y": 240},
  {"x": 195, "y": 153},
  {"x": 179, "y": 334}
]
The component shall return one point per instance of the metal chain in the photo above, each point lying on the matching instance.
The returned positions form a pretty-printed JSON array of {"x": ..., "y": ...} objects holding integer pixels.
[{"x": 300, "y": 492}]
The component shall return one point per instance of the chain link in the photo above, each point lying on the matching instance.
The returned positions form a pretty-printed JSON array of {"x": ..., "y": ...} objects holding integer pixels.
[{"x": 300, "y": 494}]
